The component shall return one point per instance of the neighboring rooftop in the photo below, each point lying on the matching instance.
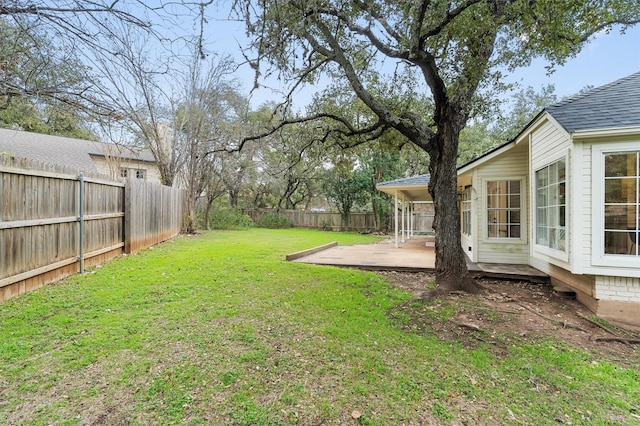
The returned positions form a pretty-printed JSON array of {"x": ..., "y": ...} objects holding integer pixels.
[
  {"x": 70, "y": 152},
  {"x": 614, "y": 105}
]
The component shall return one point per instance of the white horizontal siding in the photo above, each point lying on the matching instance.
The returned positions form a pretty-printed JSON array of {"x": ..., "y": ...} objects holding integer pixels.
[
  {"x": 517, "y": 254},
  {"x": 548, "y": 142},
  {"x": 581, "y": 217},
  {"x": 513, "y": 165}
]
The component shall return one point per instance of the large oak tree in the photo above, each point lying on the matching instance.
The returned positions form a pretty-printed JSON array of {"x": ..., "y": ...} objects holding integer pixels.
[{"x": 453, "y": 51}]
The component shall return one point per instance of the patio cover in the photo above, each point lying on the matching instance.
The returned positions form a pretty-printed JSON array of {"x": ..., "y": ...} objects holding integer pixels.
[
  {"x": 406, "y": 190},
  {"x": 414, "y": 188}
]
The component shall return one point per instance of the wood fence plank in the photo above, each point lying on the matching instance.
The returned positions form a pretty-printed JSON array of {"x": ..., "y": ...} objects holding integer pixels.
[{"x": 39, "y": 221}]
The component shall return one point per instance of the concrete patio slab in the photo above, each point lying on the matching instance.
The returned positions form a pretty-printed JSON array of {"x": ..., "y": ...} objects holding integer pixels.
[{"x": 414, "y": 255}]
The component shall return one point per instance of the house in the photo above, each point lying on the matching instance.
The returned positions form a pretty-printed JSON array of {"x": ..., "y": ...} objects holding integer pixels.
[
  {"x": 115, "y": 161},
  {"x": 564, "y": 197}
]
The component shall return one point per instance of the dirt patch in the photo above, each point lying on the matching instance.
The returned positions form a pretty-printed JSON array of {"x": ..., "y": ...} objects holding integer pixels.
[{"x": 507, "y": 311}]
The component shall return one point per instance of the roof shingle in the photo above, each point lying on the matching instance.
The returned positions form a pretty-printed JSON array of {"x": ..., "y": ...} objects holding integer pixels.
[
  {"x": 614, "y": 105},
  {"x": 419, "y": 180},
  {"x": 74, "y": 153}
]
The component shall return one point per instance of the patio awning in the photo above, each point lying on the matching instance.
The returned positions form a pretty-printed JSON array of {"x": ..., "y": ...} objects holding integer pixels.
[
  {"x": 414, "y": 188},
  {"x": 406, "y": 192}
]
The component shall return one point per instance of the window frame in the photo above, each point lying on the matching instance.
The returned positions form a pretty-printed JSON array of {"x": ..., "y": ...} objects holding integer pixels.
[
  {"x": 522, "y": 194},
  {"x": 562, "y": 254},
  {"x": 466, "y": 211},
  {"x": 598, "y": 256}
]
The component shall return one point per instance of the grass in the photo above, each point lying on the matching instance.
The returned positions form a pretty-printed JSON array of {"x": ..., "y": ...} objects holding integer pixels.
[{"x": 219, "y": 329}]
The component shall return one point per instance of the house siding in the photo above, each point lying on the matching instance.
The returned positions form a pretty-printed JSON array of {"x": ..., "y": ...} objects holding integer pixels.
[
  {"x": 548, "y": 142},
  {"x": 112, "y": 168},
  {"x": 489, "y": 250},
  {"x": 582, "y": 220}
]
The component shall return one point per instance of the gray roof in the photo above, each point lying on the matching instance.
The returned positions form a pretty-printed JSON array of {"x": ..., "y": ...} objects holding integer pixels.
[
  {"x": 419, "y": 180},
  {"x": 415, "y": 188},
  {"x": 614, "y": 105},
  {"x": 74, "y": 153}
]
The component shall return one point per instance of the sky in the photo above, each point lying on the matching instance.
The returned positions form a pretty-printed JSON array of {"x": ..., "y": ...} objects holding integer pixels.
[{"x": 606, "y": 58}]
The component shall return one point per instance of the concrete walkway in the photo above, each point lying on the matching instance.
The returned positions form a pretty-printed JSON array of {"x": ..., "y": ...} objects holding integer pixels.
[{"x": 415, "y": 255}]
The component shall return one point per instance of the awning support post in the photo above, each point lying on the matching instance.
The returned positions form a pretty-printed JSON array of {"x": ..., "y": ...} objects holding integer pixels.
[
  {"x": 396, "y": 218},
  {"x": 404, "y": 227}
]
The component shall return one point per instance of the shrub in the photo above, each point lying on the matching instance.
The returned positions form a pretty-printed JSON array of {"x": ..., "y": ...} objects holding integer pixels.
[
  {"x": 273, "y": 221},
  {"x": 227, "y": 218}
]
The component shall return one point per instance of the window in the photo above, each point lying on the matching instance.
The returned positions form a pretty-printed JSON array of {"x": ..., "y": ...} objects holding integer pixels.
[
  {"x": 551, "y": 205},
  {"x": 124, "y": 172},
  {"x": 140, "y": 174},
  {"x": 621, "y": 203},
  {"x": 503, "y": 208},
  {"x": 466, "y": 211}
]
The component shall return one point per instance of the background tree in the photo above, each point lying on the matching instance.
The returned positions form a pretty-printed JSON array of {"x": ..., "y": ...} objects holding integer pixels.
[
  {"x": 380, "y": 163},
  {"x": 113, "y": 61},
  {"x": 86, "y": 29},
  {"x": 452, "y": 51},
  {"x": 525, "y": 104},
  {"x": 31, "y": 64},
  {"x": 141, "y": 106},
  {"x": 485, "y": 134},
  {"x": 291, "y": 163},
  {"x": 210, "y": 99},
  {"x": 345, "y": 188}
]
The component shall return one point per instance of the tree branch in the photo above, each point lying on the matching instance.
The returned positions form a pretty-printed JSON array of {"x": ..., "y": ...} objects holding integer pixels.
[
  {"x": 366, "y": 32},
  {"x": 451, "y": 15},
  {"x": 607, "y": 24}
]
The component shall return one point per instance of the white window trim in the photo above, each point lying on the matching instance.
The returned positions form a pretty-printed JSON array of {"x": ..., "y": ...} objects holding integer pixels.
[
  {"x": 485, "y": 210},
  {"x": 538, "y": 249},
  {"x": 463, "y": 204},
  {"x": 598, "y": 258}
]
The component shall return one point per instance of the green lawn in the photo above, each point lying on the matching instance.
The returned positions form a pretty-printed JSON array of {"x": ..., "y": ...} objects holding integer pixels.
[{"x": 220, "y": 329}]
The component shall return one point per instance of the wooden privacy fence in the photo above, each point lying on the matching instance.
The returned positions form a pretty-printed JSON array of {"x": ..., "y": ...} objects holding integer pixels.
[
  {"x": 153, "y": 213},
  {"x": 320, "y": 220},
  {"x": 331, "y": 221},
  {"x": 55, "y": 221},
  {"x": 423, "y": 221}
]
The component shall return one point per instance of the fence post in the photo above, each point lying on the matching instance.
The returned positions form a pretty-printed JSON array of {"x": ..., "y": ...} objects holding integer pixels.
[
  {"x": 81, "y": 220},
  {"x": 128, "y": 215}
]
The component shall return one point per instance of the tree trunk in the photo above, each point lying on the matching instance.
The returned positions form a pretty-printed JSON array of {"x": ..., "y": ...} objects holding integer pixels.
[
  {"x": 233, "y": 198},
  {"x": 207, "y": 214},
  {"x": 344, "y": 215},
  {"x": 376, "y": 214},
  {"x": 451, "y": 266}
]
